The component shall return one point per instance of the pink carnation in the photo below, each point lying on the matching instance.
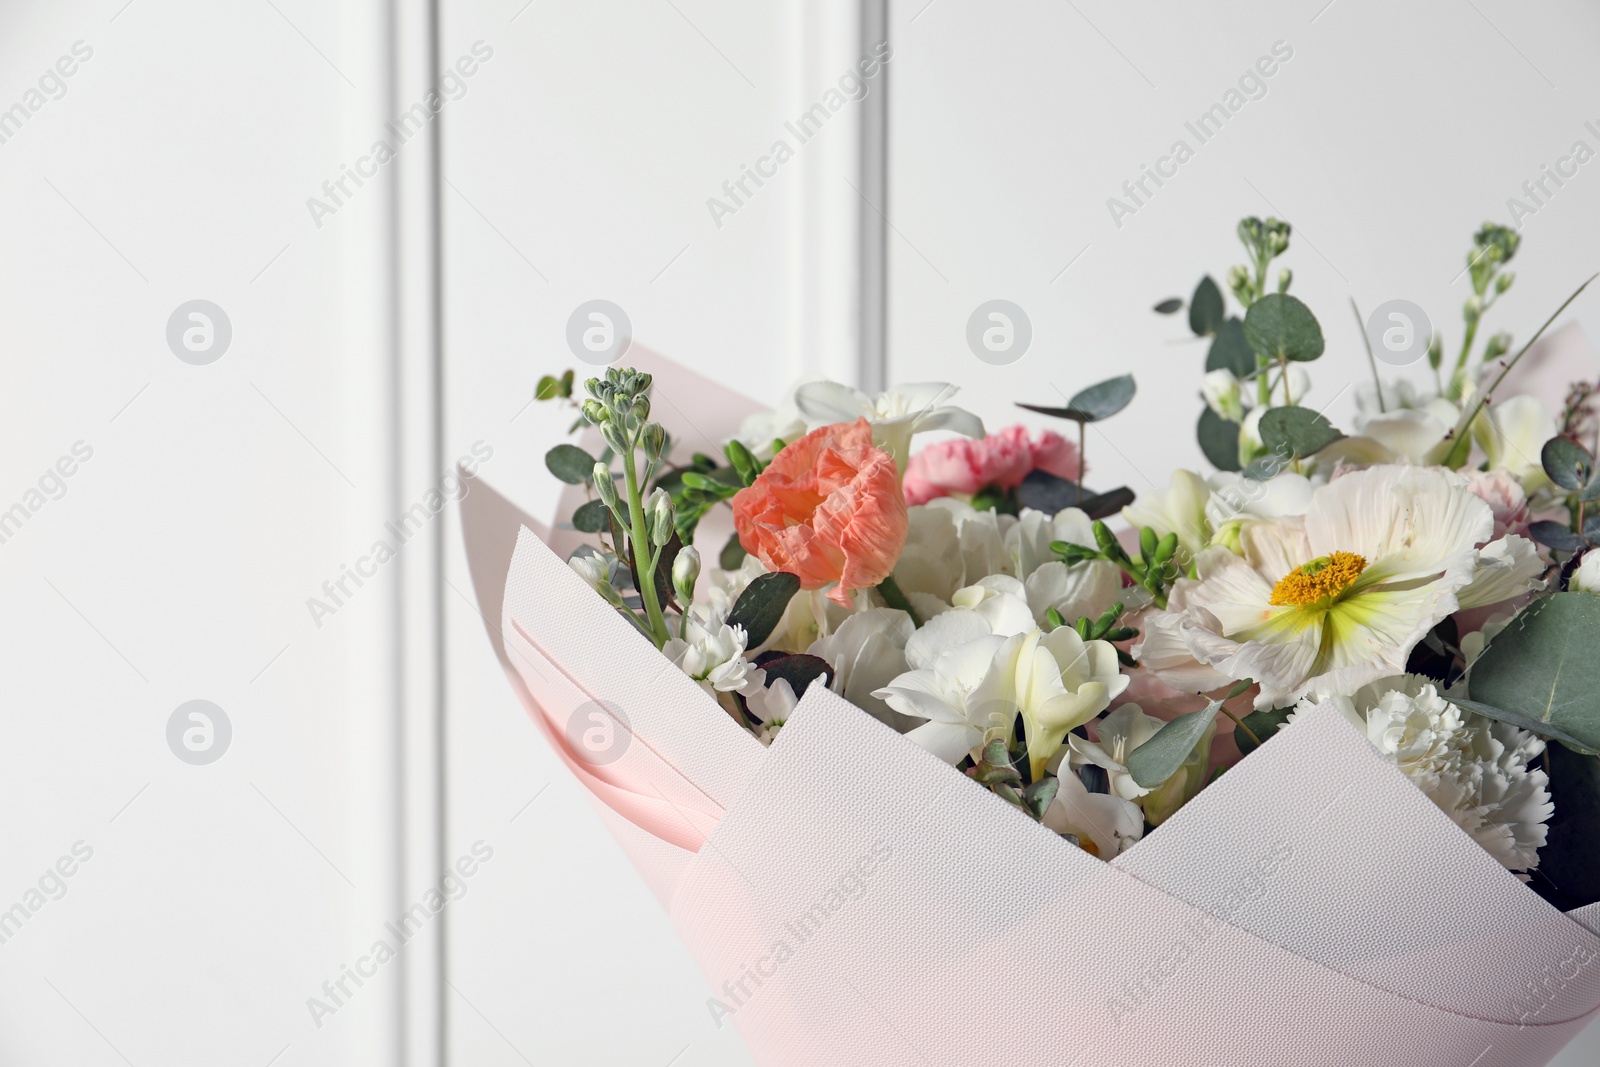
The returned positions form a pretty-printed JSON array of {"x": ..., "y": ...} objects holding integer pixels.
[
  {"x": 1505, "y": 496},
  {"x": 964, "y": 466}
]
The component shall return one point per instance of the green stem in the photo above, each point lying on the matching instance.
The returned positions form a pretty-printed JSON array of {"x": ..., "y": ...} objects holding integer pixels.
[
  {"x": 639, "y": 542},
  {"x": 1372, "y": 360},
  {"x": 1458, "y": 379},
  {"x": 890, "y": 591},
  {"x": 1458, "y": 454},
  {"x": 1251, "y": 734},
  {"x": 1083, "y": 442}
]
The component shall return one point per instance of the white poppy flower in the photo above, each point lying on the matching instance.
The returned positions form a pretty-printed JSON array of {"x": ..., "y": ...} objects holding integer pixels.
[
  {"x": 1105, "y": 826},
  {"x": 895, "y": 415},
  {"x": 1338, "y": 598},
  {"x": 1235, "y": 498},
  {"x": 1507, "y": 568}
]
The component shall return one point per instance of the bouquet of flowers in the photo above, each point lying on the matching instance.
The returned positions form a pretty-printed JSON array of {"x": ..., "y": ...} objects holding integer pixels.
[{"x": 949, "y": 720}]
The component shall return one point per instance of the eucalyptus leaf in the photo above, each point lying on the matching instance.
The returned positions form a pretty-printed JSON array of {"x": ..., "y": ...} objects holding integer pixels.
[
  {"x": 591, "y": 517},
  {"x": 1043, "y": 491},
  {"x": 1219, "y": 440},
  {"x": 1541, "y": 672},
  {"x": 1205, "y": 308},
  {"x": 1280, "y": 326},
  {"x": 1555, "y": 535},
  {"x": 1264, "y": 724},
  {"x": 1104, "y": 505},
  {"x": 1230, "y": 351},
  {"x": 1100, "y": 401},
  {"x": 1160, "y": 757},
  {"x": 732, "y": 556},
  {"x": 1567, "y": 463},
  {"x": 762, "y": 604},
  {"x": 1039, "y": 795},
  {"x": 570, "y": 463},
  {"x": 1170, "y": 305},
  {"x": 1297, "y": 432}
]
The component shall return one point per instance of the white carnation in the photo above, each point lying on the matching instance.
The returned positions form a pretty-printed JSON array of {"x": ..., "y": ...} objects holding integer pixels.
[{"x": 1476, "y": 770}]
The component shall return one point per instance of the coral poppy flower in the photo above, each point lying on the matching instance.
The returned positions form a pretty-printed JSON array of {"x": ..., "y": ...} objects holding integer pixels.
[{"x": 827, "y": 509}]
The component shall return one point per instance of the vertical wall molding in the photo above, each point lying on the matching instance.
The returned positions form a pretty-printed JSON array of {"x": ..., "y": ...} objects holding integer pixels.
[{"x": 873, "y": 232}]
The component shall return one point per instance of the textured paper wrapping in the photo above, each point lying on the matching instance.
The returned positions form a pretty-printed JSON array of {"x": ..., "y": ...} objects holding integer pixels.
[{"x": 852, "y": 900}]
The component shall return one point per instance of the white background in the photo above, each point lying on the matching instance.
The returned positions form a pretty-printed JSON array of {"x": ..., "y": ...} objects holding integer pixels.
[{"x": 177, "y": 565}]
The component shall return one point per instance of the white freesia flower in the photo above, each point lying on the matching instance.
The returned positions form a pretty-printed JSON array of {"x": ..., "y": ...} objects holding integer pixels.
[
  {"x": 1476, "y": 770},
  {"x": 1512, "y": 434},
  {"x": 771, "y": 705},
  {"x": 761, "y": 430},
  {"x": 1180, "y": 508},
  {"x": 1586, "y": 579},
  {"x": 1119, "y": 734},
  {"x": 944, "y": 694},
  {"x": 1221, "y": 391},
  {"x": 712, "y": 653},
  {"x": 1333, "y": 600},
  {"x": 895, "y": 415},
  {"x": 1055, "y": 681},
  {"x": 1506, "y": 569},
  {"x": 996, "y": 606},
  {"x": 1105, "y": 826},
  {"x": 866, "y": 653}
]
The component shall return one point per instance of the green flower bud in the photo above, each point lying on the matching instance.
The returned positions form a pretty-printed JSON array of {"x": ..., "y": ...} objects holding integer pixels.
[
  {"x": 595, "y": 412},
  {"x": 742, "y": 461},
  {"x": 658, "y": 516},
  {"x": 592, "y": 386},
  {"x": 1473, "y": 309},
  {"x": 615, "y": 436},
  {"x": 654, "y": 439},
  {"x": 1285, "y": 276},
  {"x": 1147, "y": 543},
  {"x": 1435, "y": 351},
  {"x": 1497, "y": 346},
  {"x": 1504, "y": 281},
  {"x": 685, "y": 572},
  {"x": 606, "y": 487},
  {"x": 641, "y": 408}
]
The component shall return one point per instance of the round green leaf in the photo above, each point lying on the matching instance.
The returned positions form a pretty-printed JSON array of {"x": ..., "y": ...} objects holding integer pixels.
[
  {"x": 1230, "y": 351},
  {"x": 1541, "y": 671},
  {"x": 1219, "y": 440},
  {"x": 570, "y": 463},
  {"x": 1296, "y": 431},
  {"x": 1099, "y": 401},
  {"x": 591, "y": 517},
  {"x": 1280, "y": 326},
  {"x": 1567, "y": 463},
  {"x": 1205, "y": 308}
]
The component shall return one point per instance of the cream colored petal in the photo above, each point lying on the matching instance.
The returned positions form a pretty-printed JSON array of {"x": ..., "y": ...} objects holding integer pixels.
[{"x": 1506, "y": 568}]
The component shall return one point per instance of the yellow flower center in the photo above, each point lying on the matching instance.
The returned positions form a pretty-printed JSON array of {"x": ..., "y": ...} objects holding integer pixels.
[{"x": 1322, "y": 579}]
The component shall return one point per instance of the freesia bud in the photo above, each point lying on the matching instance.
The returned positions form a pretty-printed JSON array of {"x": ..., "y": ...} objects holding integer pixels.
[
  {"x": 659, "y": 517},
  {"x": 606, "y": 486},
  {"x": 654, "y": 438}
]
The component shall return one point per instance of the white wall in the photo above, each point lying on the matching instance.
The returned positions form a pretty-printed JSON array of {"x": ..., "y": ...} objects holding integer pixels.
[
  {"x": 1392, "y": 133},
  {"x": 178, "y": 563}
]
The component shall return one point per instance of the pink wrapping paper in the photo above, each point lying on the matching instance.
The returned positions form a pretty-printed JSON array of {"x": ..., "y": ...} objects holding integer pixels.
[{"x": 851, "y": 899}]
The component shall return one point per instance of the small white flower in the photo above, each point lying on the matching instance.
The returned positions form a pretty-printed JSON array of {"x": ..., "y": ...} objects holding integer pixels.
[
  {"x": 593, "y": 570},
  {"x": 712, "y": 653},
  {"x": 1586, "y": 579},
  {"x": 1120, "y": 733},
  {"x": 895, "y": 415},
  {"x": 771, "y": 705},
  {"x": 958, "y": 724},
  {"x": 1105, "y": 826},
  {"x": 1221, "y": 391}
]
